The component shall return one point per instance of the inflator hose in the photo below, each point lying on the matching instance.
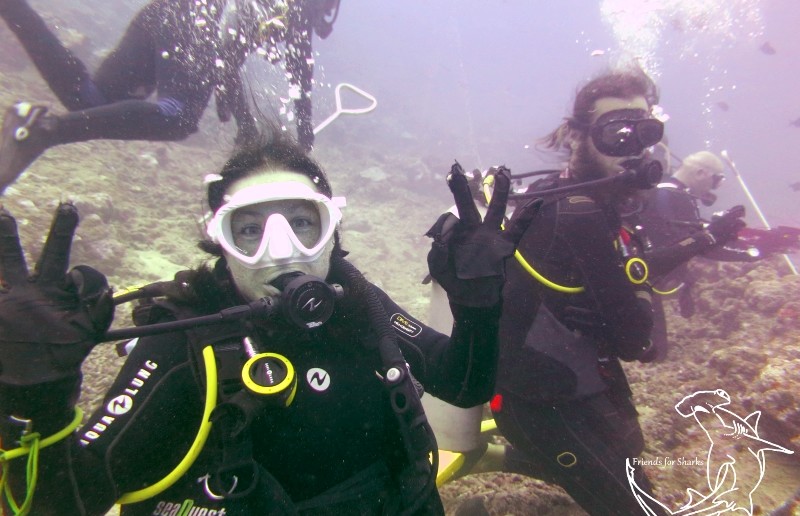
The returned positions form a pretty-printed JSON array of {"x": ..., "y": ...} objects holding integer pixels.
[{"x": 391, "y": 357}]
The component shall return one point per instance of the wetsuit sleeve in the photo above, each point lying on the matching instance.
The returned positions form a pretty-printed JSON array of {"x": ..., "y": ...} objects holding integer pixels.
[
  {"x": 232, "y": 100},
  {"x": 673, "y": 225},
  {"x": 139, "y": 433},
  {"x": 459, "y": 369},
  {"x": 731, "y": 254},
  {"x": 663, "y": 260},
  {"x": 625, "y": 310}
]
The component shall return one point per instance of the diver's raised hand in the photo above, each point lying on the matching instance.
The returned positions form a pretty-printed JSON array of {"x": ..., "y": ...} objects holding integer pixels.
[
  {"x": 51, "y": 319},
  {"x": 467, "y": 257},
  {"x": 724, "y": 228}
]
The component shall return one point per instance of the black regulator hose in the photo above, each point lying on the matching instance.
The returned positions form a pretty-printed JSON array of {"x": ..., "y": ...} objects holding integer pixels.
[
  {"x": 305, "y": 300},
  {"x": 259, "y": 308},
  {"x": 524, "y": 175},
  {"x": 643, "y": 177},
  {"x": 403, "y": 393}
]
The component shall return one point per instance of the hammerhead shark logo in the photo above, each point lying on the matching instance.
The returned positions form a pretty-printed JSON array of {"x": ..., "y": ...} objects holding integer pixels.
[{"x": 733, "y": 442}]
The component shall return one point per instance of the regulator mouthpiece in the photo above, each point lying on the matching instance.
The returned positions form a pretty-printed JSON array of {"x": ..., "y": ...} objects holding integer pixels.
[{"x": 284, "y": 279}]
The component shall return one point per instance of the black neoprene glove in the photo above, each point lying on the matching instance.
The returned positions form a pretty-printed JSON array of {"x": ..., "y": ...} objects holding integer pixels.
[
  {"x": 468, "y": 258},
  {"x": 51, "y": 319},
  {"x": 725, "y": 228}
]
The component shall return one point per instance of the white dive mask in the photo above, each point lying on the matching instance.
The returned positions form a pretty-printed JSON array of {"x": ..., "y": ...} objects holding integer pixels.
[{"x": 271, "y": 236}]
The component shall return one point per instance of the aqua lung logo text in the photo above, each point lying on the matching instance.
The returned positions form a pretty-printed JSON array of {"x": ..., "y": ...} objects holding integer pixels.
[
  {"x": 187, "y": 508},
  {"x": 405, "y": 325},
  {"x": 121, "y": 404}
]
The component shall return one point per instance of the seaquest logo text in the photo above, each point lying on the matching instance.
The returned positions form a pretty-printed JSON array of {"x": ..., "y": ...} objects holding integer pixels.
[{"x": 187, "y": 508}]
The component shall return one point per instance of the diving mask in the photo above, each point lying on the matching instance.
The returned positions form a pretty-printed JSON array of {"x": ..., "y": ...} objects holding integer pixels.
[
  {"x": 275, "y": 223},
  {"x": 625, "y": 132}
]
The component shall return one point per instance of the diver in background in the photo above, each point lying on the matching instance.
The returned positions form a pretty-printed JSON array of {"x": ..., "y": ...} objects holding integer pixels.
[
  {"x": 181, "y": 50},
  {"x": 349, "y": 438},
  {"x": 675, "y": 232},
  {"x": 563, "y": 401}
]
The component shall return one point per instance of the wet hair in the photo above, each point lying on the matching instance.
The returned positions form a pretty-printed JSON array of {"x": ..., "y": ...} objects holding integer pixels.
[
  {"x": 273, "y": 150},
  {"x": 624, "y": 84}
]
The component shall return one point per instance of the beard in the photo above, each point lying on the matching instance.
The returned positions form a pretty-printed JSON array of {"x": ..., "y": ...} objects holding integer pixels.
[{"x": 584, "y": 164}]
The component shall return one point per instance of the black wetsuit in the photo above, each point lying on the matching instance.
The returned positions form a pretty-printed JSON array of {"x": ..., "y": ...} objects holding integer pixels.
[
  {"x": 670, "y": 218},
  {"x": 172, "y": 48},
  {"x": 564, "y": 402},
  {"x": 337, "y": 449}
]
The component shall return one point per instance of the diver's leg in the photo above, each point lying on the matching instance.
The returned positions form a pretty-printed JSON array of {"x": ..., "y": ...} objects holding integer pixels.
[
  {"x": 300, "y": 64},
  {"x": 165, "y": 120},
  {"x": 658, "y": 335},
  {"x": 580, "y": 445},
  {"x": 234, "y": 102},
  {"x": 64, "y": 73},
  {"x": 28, "y": 130},
  {"x": 184, "y": 88},
  {"x": 128, "y": 72},
  {"x": 20, "y": 140}
]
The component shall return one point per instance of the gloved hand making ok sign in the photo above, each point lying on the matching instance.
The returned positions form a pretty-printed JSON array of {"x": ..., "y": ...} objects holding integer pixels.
[
  {"x": 51, "y": 319},
  {"x": 467, "y": 257}
]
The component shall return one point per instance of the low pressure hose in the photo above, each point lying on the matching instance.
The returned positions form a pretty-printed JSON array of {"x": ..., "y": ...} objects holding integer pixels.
[
  {"x": 197, "y": 445},
  {"x": 402, "y": 390}
]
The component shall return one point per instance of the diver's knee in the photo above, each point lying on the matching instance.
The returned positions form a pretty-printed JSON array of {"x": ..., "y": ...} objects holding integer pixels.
[{"x": 181, "y": 130}]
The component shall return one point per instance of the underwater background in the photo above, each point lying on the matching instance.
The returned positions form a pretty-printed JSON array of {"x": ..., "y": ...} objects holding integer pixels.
[{"x": 478, "y": 82}]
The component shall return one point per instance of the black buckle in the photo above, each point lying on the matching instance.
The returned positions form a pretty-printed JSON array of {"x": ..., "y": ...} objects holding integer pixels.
[
  {"x": 236, "y": 475},
  {"x": 25, "y": 424}
]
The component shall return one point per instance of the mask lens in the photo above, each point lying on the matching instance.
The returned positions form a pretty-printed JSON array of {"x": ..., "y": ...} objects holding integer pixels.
[
  {"x": 616, "y": 138},
  {"x": 626, "y": 137},
  {"x": 270, "y": 224},
  {"x": 716, "y": 180},
  {"x": 277, "y": 221},
  {"x": 650, "y": 131}
]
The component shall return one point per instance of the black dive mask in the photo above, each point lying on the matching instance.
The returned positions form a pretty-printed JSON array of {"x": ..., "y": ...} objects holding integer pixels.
[{"x": 624, "y": 132}]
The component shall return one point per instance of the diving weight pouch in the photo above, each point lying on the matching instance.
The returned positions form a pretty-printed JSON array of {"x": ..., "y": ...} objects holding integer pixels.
[{"x": 553, "y": 363}]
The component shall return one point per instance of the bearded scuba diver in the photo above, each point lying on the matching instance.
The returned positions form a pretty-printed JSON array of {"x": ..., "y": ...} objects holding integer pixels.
[{"x": 577, "y": 302}]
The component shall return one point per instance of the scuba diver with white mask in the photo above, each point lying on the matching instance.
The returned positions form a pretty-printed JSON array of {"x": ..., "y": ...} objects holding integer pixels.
[{"x": 276, "y": 381}]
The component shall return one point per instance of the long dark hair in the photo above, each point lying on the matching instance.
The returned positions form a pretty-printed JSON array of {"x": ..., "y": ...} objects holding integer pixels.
[{"x": 625, "y": 84}]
